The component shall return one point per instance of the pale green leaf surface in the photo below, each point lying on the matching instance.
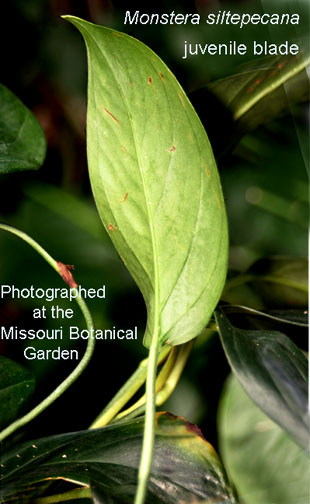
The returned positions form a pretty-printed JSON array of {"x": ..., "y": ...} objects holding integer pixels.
[
  {"x": 155, "y": 183},
  {"x": 264, "y": 464}
]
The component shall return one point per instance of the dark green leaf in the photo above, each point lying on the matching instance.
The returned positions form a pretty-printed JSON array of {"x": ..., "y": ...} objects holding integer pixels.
[
  {"x": 262, "y": 91},
  {"x": 155, "y": 183},
  {"x": 185, "y": 467},
  {"x": 22, "y": 141},
  {"x": 273, "y": 371},
  {"x": 264, "y": 464},
  {"x": 16, "y": 385}
]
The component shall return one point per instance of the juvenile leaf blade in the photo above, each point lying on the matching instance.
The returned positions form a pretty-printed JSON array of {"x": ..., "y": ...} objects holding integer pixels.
[
  {"x": 16, "y": 385},
  {"x": 155, "y": 183},
  {"x": 185, "y": 467},
  {"x": 22, "y": 141}
]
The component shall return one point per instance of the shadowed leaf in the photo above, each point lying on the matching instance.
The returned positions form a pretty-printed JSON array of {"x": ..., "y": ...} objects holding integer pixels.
[
  {"x": 185, "y": 467},
  {"x": 262, "y": 91},
  {"x": 22, "y": 141},
  {"x": 273, "y": 371},
  {"x": 16, "y": 385}
]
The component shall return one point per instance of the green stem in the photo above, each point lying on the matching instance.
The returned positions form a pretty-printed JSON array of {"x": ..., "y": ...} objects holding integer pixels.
[
  {"x": 33, "y": 244},
  {"x": 175, "y": 374},
  {"x": 126, "y": 392},
  {"x": 77, "y": 493},
  {"x": 166, "y": 382},
  {"x": 149, "y": 423},
  {"x": 82, "y": 364},
  {"x": 161, "y": 379}
]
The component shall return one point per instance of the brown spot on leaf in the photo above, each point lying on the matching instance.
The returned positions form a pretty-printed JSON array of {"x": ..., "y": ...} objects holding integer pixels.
[
  {"x": 123, "y": 148},
  {"x": 172, "y": 148},
  {"x": 150, "y": 80},
  {"x": 181, "y": 98},
  {"x": 130, "y": 84},
  {"x": 280, "y": 65},
  {"x": 218, "y": 201},
  {"x": 111, "y": 227},
  {"x": 250, "y": 90},
  {"x": 111, "y": 115},
  {"x": 161, "y": 75},
  {"x": 208, "y": 172},
  {"x": 124, "y": 198},
  {"x": 116, "y": 34},
  {"x": 64, "y": 270},
  {"x": 258, "y": 81}
]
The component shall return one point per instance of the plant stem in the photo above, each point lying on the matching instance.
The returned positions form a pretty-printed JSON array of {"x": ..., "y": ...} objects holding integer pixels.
[
  {"x": 126, "y": 392},
  {"x": 77, "y": 493},
  {"x": 79, "y": 368},
  {"x": 161, "y": 379},
  {"x": 149, "y": 423},
  {"x": 33, "y": 244},
  {"x": 175, "y": 374},
  {"x": 166, "y": 381}
]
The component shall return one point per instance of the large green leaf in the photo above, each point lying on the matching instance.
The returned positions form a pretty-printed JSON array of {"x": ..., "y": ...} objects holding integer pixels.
[
  {"x": 16, "y": 385},
  {"x": 264, "y": 464},
  {"x": 155, "y": 183},
  {"x": 273, "y": 371},
  {"x": 185, "y": 467},
  {"x": 263, "y": 90},
  {"x": 22, "y": 141}
]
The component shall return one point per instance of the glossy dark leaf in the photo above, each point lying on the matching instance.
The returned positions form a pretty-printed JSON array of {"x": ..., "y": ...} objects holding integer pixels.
[
  {"x": 22, "y": 141},
  {"x": 185, "y": 467},
  {"x": 291, "y": 317},
  {"x": 262, "y": 91},
  {"x": 263, "y": 463},
  {"x": 16, "y": 385},
  {"x": 273, "y": 371}
]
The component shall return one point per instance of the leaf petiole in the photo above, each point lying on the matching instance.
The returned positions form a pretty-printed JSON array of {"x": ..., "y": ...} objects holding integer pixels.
[{"x": 127, "y": 391}]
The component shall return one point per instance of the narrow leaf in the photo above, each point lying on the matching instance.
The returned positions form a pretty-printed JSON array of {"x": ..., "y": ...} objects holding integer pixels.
[
  {"x": 16, "y": 385},
  {"x": 297, "y": 318},
  {"x": 263, "y": 463},
  {"x": 155, "y": 183},
  {"x": 22, "y": 141},
  {"x": 273, "y": 371},
  {"x": 185, "y": 467}
]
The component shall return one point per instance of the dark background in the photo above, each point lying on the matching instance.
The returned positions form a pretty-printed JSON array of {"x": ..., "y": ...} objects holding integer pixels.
[{"x": 43, "y": 61}]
